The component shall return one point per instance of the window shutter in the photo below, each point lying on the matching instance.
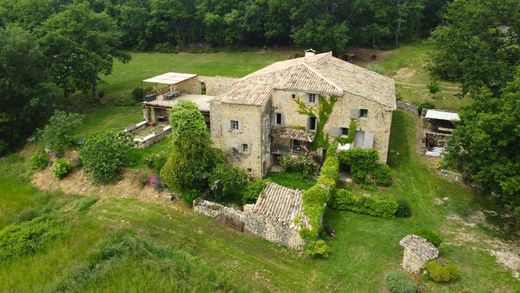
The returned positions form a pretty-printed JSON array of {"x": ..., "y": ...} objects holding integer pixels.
[
  {"x": 354, "y": 113},
  {"x": 249, "y": 148},
  {"x": 229, "y": 125},
  {"x": 240, "y": 126},
  {"x": 335, "y": 131},
  {"x": 283, "y": 119}
]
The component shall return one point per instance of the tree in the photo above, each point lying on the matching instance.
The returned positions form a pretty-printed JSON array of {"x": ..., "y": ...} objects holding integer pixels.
[
  {"x": 80, "y": 45},
  {"x": 26, "y": 99},
  {"x": 485, "y": 143},
  {"x": 193, "y": 156},
  {"x": 479, "y": 44},
  {"x": 57, "y": 134}
]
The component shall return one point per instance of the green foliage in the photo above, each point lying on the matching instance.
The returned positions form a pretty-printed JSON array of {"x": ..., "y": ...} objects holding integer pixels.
[
  {"x": 104, "y": 156},
  {"x": 425, "y": 105},
  {"x": 400, "y": 282},
  {"x": 403, "y": 209},
  {"x": 26, "y": 98},
  {"x": 434, "y": 87},
  {"x": 190, "y": 195},
  {"x": 346, "y": 200},
  {"x": 155, "y": 161},
  {"x": 253, "y": 190},
  {"x": 362, "y": 162},
  {"x": 476, "y": 45},
  {"x": 315, "y": 199},
  {"x": 138, "y": 94},
  {"x": 193, "y": 156},
  {"x": 317, "y": 248},
  {"x": 442, "y": 271},
  {"x": 376, "y": 68},
  {"x": 227, "y": 182},
  {"x": 61, "y": 168},
  {"x": 484, "y": 146},
  {"x": 57, "y": 136},
  {"x": 39, "y": 160},
  {"x": 431, "y": 236},
  {"x": 322, "y": 113},
  {"x": 26, "y": 238},
  {"x": 382, "y": 175},
  {"x": 292, "y": 180},
  {"x": 303, "y": 163}
]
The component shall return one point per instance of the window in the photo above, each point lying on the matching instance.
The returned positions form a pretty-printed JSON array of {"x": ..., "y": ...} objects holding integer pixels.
[
  {"x": 363, "y": 113},
  {"x": 245, "y": 148},
  {"x": 279, "y": 118},
  {"x": 343, "y": 131},
  {"x": 234, "y": 125},
  {"x": 312, "y": 98},
  {"x": 312, "y": 123},
  {"x": 293, "y": 96},
  {"x": 202, "y": 88}
]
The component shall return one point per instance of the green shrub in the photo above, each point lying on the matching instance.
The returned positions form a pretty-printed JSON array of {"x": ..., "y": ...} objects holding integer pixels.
[
  {"x": 27, "y": 237},
  {"x": 227, "y": 182},
  {"x": 442, "y": 271},
  {"x": 299, "y": 163},
  {"x": 362, "y": 162},
  {"x": 376, "y": 68},
  {"x": 346, "y": 200},
  {"x": 61, "y": 168},
  {"x": 431, "y": 236},
  {"x": 434, "y": 87},
  {"x": 124, "y": 101},
  {"x": 403, "y": 209},
  {"x": 190, "y": 195},
  {"x": 155, "y": 161},
  {"x": 253, "y": 190},
  {"x": 425, "y": 105},
  {"x": 105, "y": 155},
  {"x": 318, "y": 248},
  {"x": 400, "y": 282},
  {"x": 352, "y": 129},
  {"x": 382, "y": 175},
  {"x": 138, "y": 94},
  {"x": 57, "y": 134},
  {"x": 39, "y": 161}
]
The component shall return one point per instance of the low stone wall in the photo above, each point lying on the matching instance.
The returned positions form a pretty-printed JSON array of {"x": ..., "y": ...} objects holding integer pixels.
[
  {"x": 136, "y": 127},
  {"x": 153, "y": 138},
  {"x": 273, "y": 231},
  {"x": 451, "y": 175},
  {"x": 407, "y": 107}
]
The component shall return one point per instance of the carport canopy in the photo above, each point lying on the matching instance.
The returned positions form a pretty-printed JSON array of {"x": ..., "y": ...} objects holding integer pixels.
[{"x": 170, "y": 78}]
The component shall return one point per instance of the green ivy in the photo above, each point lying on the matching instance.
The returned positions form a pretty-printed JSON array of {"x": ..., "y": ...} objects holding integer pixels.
[
  {"x": 322, "y": 113},
  {"x": 352, "y": 129}
]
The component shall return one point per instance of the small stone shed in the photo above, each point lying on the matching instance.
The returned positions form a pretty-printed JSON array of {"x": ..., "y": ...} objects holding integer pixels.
[
  {"x": 417, "y": 252},
  {"x": 272, "y": 217}
]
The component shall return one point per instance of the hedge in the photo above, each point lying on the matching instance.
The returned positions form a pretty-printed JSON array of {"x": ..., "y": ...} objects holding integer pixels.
[
  {"x": 346, "y": 200},
  {"x": 315, "y": 199}
]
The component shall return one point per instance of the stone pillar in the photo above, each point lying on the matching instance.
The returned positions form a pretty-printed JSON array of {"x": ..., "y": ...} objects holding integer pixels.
[{"x": 417, "y": 252}]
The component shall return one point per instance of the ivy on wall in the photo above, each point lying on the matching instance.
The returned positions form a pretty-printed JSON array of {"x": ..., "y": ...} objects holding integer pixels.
[
  {"x": 352, "y": 129},
  {"x": 322, "y": 112}
]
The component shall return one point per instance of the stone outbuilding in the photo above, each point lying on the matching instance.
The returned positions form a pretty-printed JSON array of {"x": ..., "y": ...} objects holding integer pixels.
[
  {"x": 276, "y": 215},
  {"x": 417, "y": 252}
]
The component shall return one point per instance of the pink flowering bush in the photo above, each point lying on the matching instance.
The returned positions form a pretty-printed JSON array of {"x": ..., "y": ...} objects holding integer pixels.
[{"x": 300, "y": 163}]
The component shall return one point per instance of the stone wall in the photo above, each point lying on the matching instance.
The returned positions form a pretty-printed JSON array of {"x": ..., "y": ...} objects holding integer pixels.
[
  {"x": 407, "y": 107},
  {"x": 451, "y": 175},
  {"x": 216, "y": 85},
  {"x": 273, "y": 231}
]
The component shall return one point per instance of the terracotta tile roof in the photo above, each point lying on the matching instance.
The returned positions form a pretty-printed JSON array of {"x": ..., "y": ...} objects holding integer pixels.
[
  {"x": 321, "y": 73},
  {"x": 279, "y": 203},
  {"x": 423, "y": 249},
  {"x": 293, "y": 133}
]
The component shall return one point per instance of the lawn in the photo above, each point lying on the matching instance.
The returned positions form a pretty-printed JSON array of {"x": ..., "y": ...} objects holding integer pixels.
[{"x": 363, "y": 251}]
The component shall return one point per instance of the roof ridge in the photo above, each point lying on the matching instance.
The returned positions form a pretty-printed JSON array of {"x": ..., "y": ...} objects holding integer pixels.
[{"x": 324, "y": 78}]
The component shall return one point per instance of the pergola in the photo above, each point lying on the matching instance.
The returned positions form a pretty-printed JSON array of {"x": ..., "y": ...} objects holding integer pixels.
[{"x": 169, "y": 78}]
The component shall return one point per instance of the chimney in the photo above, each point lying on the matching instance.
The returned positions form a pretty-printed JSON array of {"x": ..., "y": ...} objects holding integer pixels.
[{"x": 310, "y": 52}]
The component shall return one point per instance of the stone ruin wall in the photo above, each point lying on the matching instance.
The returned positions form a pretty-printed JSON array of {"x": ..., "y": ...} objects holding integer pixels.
[
  {"x": 407, "y": 107},
  {"x": 411, "y": 263},
  {"x": 273, "y": 231}
]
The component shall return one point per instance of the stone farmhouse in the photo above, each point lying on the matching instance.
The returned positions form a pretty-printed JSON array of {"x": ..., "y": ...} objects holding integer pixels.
[{"x": 259, "y": 117}]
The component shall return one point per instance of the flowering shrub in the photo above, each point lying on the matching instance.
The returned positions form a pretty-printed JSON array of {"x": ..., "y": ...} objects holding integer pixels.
[
  {"x": 61, "y": 168},
  {"x": 302, "y": 163},
  {"x": 154, "y": 181},
  {"x": 39, "y": 161}
]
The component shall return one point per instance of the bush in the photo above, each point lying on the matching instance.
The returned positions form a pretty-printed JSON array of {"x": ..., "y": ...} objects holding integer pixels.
[
  {"x": 400, "y": 282},
  {"x": 403, "y": 209},
  {"x": 57, "y": 134},
  {"x": 431, "y": 236},
  {"x": 124, "y": 101},
  {"x": 442, "y": 271},
  {"x": 318, "y": 248},
  {"x": 376, "y": 68},
  {"x": 227, "y": 182},
  {"x": 190, "y": 195},
  {"x": 434, "y": 87},
  {"x": 382, "y": 175},
  {"x": 141, "y": 177},
  {"x": 39, "y": 161},
  {"x": 105, "y": 155},
  {"x": 362, "y": 162},
  {"x": 155, "y": 161},
  {"x": 346, "y": 200},
  {"x": 253, "y": 190},
  {"x": 425, "y": 105},
  {"x": 301, "y": 163},
  {"x": 138, "y": 94},
  {"x": 61, "y": 168}
]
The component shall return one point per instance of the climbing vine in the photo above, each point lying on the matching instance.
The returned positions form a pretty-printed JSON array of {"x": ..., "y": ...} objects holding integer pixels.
[
  {"x": 352, "y": 129},
  {"x": 322, "y": 112}
]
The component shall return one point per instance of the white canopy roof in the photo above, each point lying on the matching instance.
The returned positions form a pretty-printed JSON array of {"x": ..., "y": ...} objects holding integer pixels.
[
  {"x": 170, "y": 78},
  {"x": 440, "y": 115}
]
